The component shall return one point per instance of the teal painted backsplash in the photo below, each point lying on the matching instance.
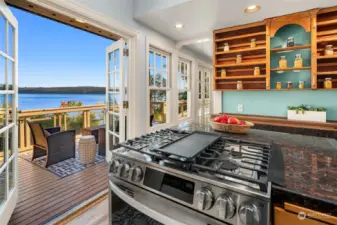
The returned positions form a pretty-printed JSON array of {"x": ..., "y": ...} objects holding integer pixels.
[{"x": 274, "y": 103}]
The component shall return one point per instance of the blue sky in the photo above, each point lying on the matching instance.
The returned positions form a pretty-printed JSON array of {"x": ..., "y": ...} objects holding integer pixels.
[{"x": 52, "y": 54}]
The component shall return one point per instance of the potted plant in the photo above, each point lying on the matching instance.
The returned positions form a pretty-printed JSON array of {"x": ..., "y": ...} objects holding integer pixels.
[{"x": 307, "y": 113}]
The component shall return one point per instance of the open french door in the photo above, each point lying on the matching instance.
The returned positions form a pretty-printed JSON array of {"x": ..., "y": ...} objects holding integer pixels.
[
  {"x": 204, "y": 95},
  {"x": 116, "y": 95},
  {"x": 8, "y": 112}
]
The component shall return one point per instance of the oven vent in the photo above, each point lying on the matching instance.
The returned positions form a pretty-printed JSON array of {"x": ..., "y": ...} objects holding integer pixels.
[{"x": 126, "y": 190}]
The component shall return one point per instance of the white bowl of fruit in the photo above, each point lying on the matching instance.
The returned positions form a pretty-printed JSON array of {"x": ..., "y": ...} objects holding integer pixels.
[{"x": 230, "y": 124}]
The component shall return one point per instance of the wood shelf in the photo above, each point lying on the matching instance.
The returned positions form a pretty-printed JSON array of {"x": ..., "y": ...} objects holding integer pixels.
[
  {"x": 327, "y": 38},
  {"x": 290, "y": 89},
  {"x": 291, "y": 69},
  {"x": 327, "y": 73},
  {"x": 328, "y": 22},
  {"x": 291, "y": 48},
  {"x": 241, "y": 36},
  {"x": 241, "y": 64},
  {"x": 326, "y": 32},
  {"x": 327, "y": 64},
  {"x": 247, "y": 45},
  {"x": 244, "y": 82},
  {"x": 253, "y": 89},
  {"x": 241, "y": 50},
  {"x": 240, "y": 77},
  {"x": 327, "y": 57}
]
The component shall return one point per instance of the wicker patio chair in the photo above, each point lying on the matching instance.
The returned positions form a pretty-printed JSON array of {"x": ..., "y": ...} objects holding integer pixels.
[{"x": 56, "y": 145}]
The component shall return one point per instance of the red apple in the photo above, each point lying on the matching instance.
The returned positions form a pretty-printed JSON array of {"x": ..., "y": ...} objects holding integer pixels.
[
  {"x": 218, "y": 120},
  {"x": 224, "y": 121},
  {"x": 233, "y": 120},
  {"x": 242, "y": 122},
  {"x": 224, "y": 117}
]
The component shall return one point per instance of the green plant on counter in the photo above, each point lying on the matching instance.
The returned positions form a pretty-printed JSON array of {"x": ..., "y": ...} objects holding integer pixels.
[{"x": 303, "y": 108}]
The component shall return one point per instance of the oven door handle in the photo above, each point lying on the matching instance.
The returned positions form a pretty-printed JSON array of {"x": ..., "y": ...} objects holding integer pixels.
[{"x": 143, "y": 208}]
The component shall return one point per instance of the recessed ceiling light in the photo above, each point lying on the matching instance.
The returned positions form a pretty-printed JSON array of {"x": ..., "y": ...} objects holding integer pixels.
[
  {"x": 252, "y": 8},
  {"x": 79, "y": 20},
  {"x": 179, "y": 25}
]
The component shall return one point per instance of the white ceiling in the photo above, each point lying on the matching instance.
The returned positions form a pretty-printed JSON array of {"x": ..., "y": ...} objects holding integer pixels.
[{"x": 201, "y": 17}]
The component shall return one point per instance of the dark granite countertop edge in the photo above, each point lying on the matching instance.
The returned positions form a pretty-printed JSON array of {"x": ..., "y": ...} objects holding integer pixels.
[{"x": 303, "y": 195}]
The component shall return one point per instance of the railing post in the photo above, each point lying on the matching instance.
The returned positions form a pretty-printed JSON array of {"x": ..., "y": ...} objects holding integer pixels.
[
  {"x": 88, "y": 119},
  {"x": 85, "y": 119},
  {"x": 65, "y": 121},
  {"x": 55, "y": 118},
  {"x": 28, "y": 134},
  {"x": 22, "y": 134},
  {"x": 60, "y": 120}
]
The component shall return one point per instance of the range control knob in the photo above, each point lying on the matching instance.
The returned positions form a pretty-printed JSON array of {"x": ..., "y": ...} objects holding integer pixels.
[
  {"x": 204, "y": 199},
  {"x": 114, "y": 165},
  {"x": 225, "y": 207},
  {"x": 136, "y": 174},
  {"x": 123, "y": 170},
  {"x": 249, "y": 214}
]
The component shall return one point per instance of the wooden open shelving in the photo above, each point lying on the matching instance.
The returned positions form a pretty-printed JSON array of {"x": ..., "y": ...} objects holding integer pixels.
[
  {"x": 321, "y": 24},
  {"x": 291, "y": 69},
  {"x": 297, "y": 47}
]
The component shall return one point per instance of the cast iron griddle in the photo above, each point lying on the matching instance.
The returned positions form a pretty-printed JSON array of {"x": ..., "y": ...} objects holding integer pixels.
[{"x": 191, "y": 145}]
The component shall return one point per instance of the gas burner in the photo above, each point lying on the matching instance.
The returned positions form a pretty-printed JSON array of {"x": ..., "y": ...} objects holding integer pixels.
[{"x": 228, "y": 165}]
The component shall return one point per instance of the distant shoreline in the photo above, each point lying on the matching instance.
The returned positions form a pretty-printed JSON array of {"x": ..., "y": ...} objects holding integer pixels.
[{"x": 62, "y": 90}]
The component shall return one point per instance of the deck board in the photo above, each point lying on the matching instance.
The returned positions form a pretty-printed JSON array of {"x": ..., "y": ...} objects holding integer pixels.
[{"x": 43, "y": 195}]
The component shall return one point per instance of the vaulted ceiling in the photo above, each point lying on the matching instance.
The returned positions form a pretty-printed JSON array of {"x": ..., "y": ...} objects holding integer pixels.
[{"x": 201, "y": 17}]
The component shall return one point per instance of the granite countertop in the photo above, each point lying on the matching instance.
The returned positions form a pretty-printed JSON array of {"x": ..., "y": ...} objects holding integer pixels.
[{"x": 310, "y": 165}]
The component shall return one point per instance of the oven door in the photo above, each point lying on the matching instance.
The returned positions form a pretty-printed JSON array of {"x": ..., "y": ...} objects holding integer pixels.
[{"x": 131, "y": 205}]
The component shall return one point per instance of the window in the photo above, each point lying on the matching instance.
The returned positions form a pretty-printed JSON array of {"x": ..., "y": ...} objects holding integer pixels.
[
  {"x": 184, "y": 88},
  {"x": 158, "y": 86}
]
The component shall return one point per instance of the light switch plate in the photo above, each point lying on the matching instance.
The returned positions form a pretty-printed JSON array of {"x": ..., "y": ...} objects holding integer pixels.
[{"x": 240, "y": 108}]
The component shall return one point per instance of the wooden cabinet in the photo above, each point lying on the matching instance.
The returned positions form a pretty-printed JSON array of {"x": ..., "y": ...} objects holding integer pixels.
[
  {"x": 290, "y": 215},
  {"x": 320, "y": 29}
]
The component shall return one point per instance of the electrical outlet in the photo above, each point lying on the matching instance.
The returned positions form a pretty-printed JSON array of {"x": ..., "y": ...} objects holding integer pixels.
[{"x": 240, "y": 108}]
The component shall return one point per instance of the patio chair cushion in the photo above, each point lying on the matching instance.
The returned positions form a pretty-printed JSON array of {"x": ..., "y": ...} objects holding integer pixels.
[{"x": 40, "y": 138}]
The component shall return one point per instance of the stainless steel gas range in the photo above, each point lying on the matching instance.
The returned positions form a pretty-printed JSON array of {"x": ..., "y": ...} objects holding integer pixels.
[{"x": 179, "y": 177}]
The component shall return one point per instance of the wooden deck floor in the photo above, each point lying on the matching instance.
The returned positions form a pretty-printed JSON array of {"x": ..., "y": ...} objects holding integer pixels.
[{"x": 43, "y": 196}]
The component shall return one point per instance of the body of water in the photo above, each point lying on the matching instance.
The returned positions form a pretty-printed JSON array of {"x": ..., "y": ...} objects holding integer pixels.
[{"x": 42, "y": 101}]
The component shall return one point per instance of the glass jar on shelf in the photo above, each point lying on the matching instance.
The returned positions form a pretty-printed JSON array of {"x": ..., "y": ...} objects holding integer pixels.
[
  {"x": 278, "y": 85},
  {"x": 283, "y": 63},
  {"x": 328, "y": 83},
  {"x": 238, "y": 59},
  {"x": 301, "y": 84},
  {"x": 239, "y": 85},
  {"x": 290, "y": 42},
  {"x": 257, "y": 71},
  {"x": 290, "y": 85},
  {"x": 226, "y": 47},
  {"x": 298, "y": 61},
  {"x": 328, "y": 50},
  {"x": 253, "y": 43},
  {"x": 223, "y": 73}
]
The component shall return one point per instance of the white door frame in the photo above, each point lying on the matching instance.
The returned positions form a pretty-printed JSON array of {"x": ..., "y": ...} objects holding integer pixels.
[
  {"x": 203, "y": 67},
  {"x": 132, "y": 37},
  {"x": 11, "y": 196}
]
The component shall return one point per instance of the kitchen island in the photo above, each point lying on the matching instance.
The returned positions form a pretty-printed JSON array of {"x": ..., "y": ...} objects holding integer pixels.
[{"x": 310, "y": 167}]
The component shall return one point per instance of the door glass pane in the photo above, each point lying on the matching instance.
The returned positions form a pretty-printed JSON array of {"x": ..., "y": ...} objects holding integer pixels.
[
  {"x": 114, "y": 100},
  {"x": 10, "y": 69},
  {"x": 2, "y": 186},
  {"x": 117, "y": 83},
  {"x": 113, "y": 140},
  {"x": 2, "y": 148},
  {"x": 151, "y": 78},
  {"x": 10, "y": 109},
  {"x": 10, "y": 142},
  {"x": 2, "y": 34},
  {"x": 111, "y": 81},
  {"x": 111, "y": 61},
  {"x": 114, "y": 123},
  {"x": 151, "y": 59},
  {"x": 11, "y": 175},
  {"x": 2, "y": 111},
  {"x": 10, "y": 39},
  {"x": 117, "y": 58},
  {"x": 2, "y": 72},
  {"x": 158, "y": 104}
]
